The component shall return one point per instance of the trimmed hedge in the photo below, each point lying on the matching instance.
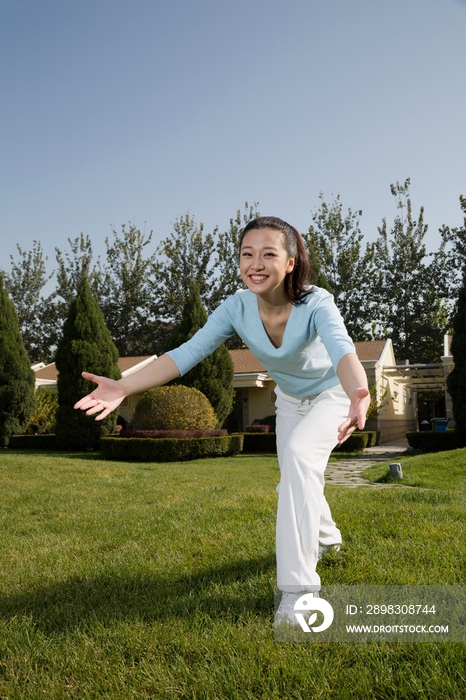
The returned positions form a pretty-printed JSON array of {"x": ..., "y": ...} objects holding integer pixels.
[
  {"x": 33, "y": 442},
  {"x": 128, "y": 433},
  {"x": 260, "y": 442},
  {"x": 266, "y": 442},
  {"x": 169, "y": 449},
  {"x": 373, "y": 436},
  {"x": 357, "y": 442},
  {"x": 433, "y": 441}
]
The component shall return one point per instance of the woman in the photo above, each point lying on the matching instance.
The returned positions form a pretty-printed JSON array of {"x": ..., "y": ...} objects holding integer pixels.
[{"x": 297, "y": 333}]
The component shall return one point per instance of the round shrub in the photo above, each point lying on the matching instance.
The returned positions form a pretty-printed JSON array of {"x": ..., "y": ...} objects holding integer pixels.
[{"x": 174, "y": 408}]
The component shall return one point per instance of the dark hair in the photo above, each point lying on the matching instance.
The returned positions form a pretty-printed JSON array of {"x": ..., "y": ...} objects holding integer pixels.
[{"x": 297, "y": 281}]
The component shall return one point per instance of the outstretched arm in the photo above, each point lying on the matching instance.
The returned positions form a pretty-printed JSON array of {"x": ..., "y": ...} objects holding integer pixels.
[
  {"x": 354, "y": 381},
  {"x": 110, "y": 393}
]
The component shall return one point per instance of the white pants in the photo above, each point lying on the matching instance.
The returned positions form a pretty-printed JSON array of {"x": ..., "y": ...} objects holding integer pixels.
[{"x": 306, "y": 434}]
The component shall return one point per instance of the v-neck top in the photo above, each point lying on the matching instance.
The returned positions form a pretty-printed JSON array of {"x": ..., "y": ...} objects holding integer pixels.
[{"x": 314, "y": 341}]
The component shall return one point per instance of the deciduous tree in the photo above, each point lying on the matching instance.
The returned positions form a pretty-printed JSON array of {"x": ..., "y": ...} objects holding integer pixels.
[
  {"x": 25, "y": 284},
  {"x": 409, "y": 309},
  {"x": 334, "y": 243},
  {"x": 128, "y": 297},
  {"x": 184, "y": 256},
  {"x": 450, "y": 259}
]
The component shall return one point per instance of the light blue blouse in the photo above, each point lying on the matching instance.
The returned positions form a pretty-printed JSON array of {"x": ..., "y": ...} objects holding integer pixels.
[{"x": 314, "y": 341}]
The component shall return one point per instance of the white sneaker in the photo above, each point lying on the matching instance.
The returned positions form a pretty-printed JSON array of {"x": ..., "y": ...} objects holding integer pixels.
[
  {"x": 326, "y": 549},
  {"x": 285, "y": 611}
]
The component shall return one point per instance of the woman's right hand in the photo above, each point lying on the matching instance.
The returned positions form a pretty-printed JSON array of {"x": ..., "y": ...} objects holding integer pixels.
[{"x": 104, "y": 399}]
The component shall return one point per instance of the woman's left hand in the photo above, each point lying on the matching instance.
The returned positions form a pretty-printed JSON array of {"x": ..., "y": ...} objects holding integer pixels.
[{"x": 360, "y": 400}]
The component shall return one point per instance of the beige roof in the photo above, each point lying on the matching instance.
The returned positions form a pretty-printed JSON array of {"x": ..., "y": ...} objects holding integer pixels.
[
  {"x": 47, "y": 372},
  {"x": 245, "y": 362},
  {"x": 124, "y": 363},
  {"x": 369, "y": 349}
]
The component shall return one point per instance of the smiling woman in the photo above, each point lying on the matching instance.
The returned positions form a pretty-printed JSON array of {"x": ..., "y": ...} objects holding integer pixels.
[
  {"x": 298, "y": 334},
  {"x": 279, "y": 240},
  {"x": 275, "y": 266},
  {"x": 264, "y": 263}
]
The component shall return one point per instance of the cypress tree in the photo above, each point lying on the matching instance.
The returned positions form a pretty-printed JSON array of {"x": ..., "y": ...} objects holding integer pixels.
[
  {"x": 214, "y": 375},
  {"x": 456, "y": 380},
  {"x": 17, "y": 402},
  {"x": 342, "y": 264},
  {"x": 318, "y": 277},
  {"x": 86, "y": 345}
]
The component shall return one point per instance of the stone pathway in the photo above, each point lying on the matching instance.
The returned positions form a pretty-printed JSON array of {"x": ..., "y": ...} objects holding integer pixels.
[{"x": 347, "y": 472}]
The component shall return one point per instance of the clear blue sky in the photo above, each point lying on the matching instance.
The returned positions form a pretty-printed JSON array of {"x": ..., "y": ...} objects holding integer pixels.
[{"x": 140, "y": 110}]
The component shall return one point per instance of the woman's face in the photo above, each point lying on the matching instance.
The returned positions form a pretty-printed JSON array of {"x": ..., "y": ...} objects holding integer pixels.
[{"x": 264, "y": 262}]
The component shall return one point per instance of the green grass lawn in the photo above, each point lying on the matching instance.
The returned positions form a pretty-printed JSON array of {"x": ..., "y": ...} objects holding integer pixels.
[{"x": 129, "y": 581}]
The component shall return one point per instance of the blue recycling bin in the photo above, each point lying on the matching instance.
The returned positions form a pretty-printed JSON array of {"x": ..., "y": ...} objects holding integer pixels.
[{"x": 440, "y": 425}]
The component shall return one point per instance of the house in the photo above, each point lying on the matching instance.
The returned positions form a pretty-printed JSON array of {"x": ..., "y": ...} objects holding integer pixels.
[
  {"x": 398, "y": 412},
  {"x": 398, "y": 406},
  {"x": 396, "y": 386}
]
